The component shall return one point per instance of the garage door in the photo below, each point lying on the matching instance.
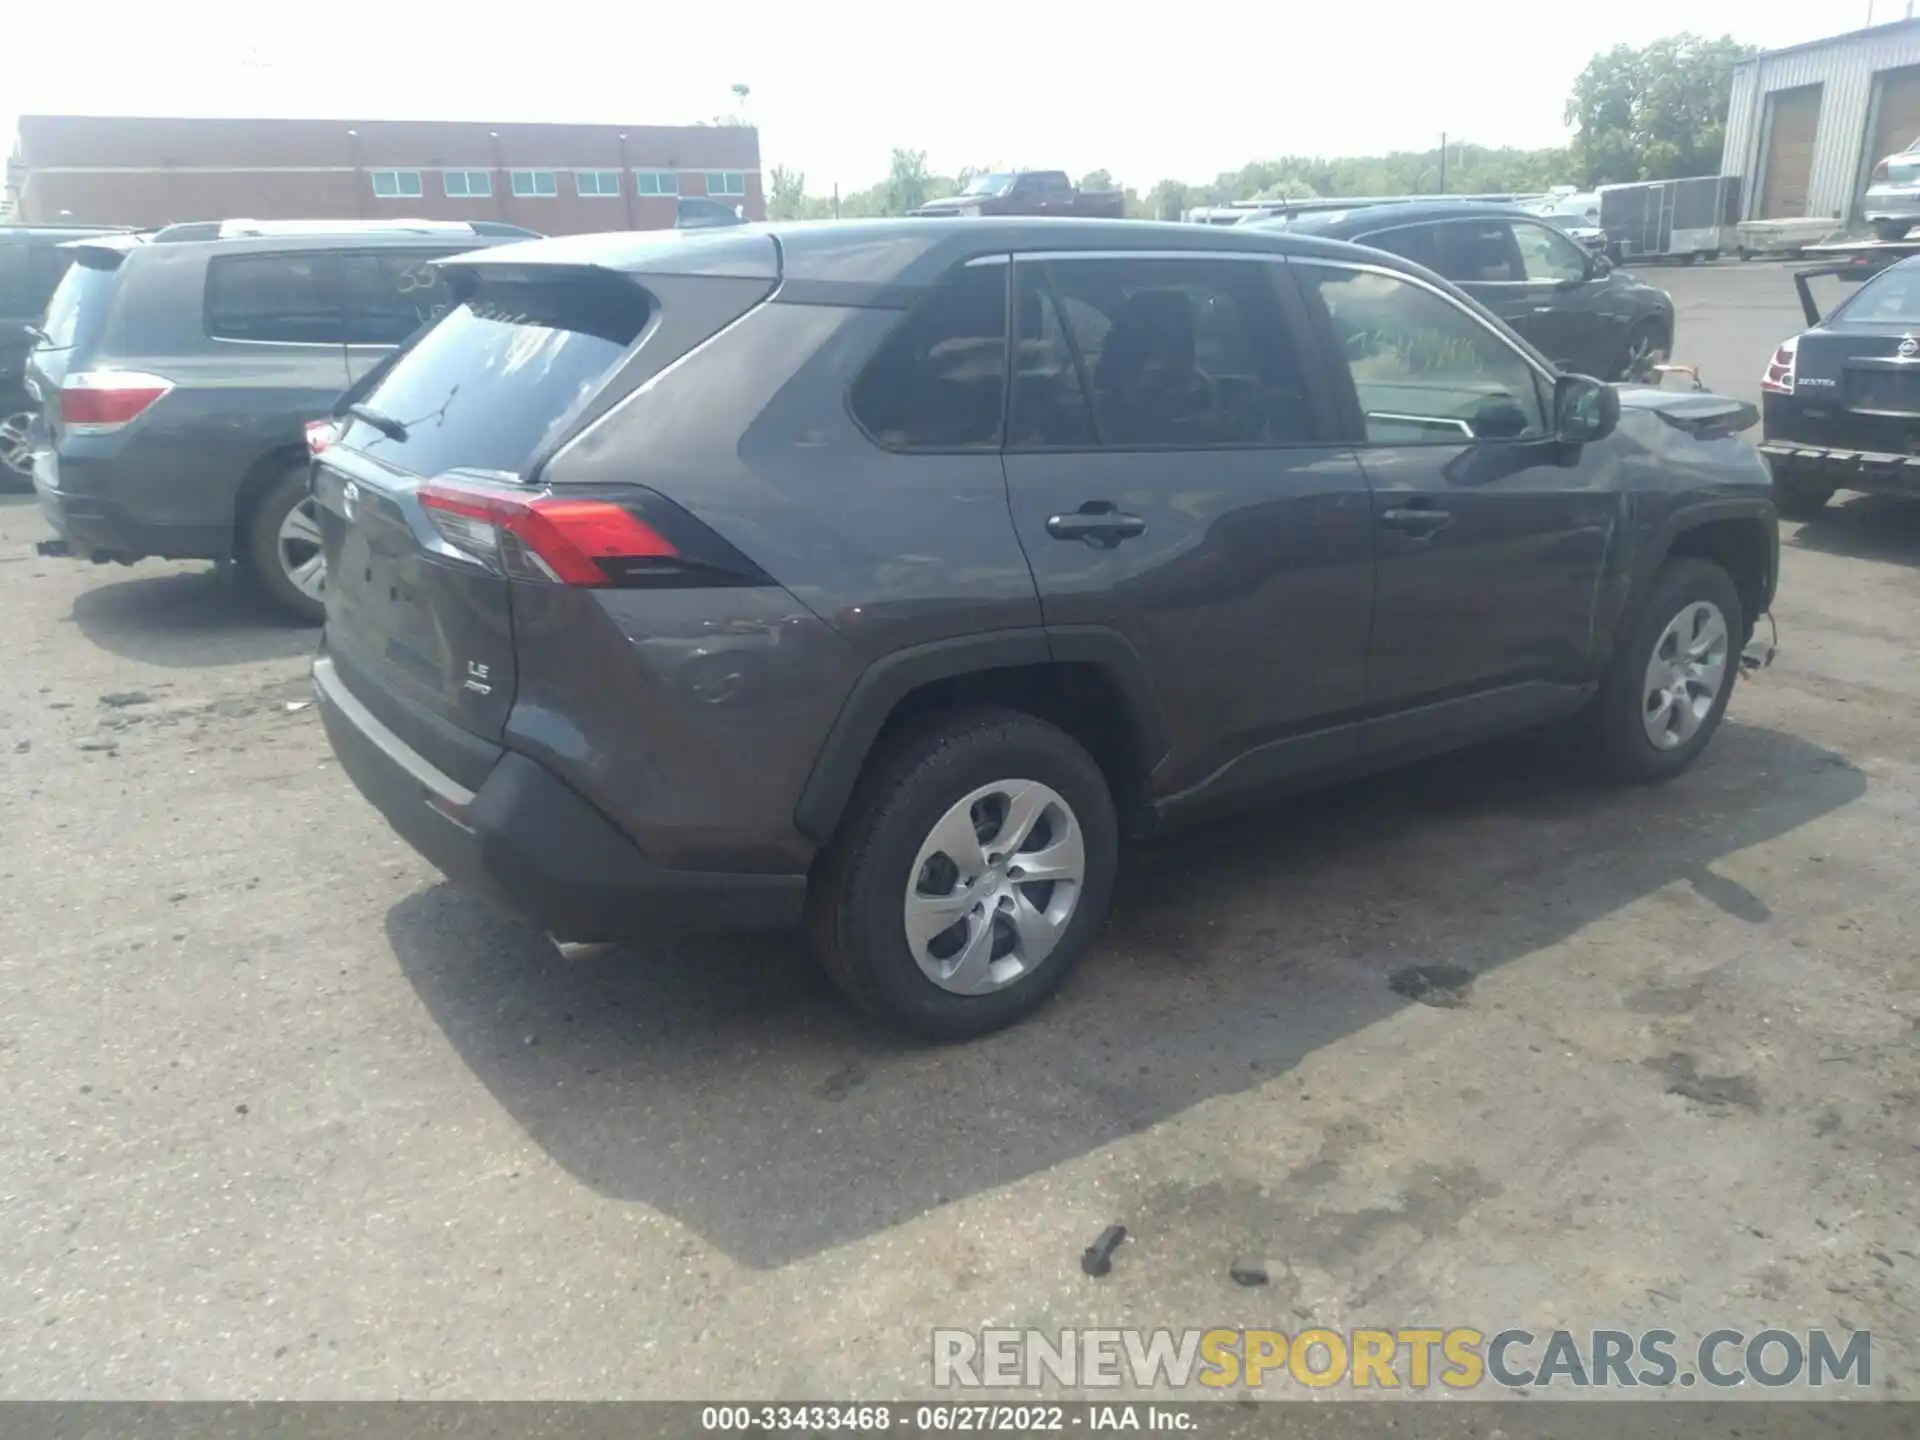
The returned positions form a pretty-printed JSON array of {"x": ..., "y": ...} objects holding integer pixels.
[
  {"x": 1896, "y": 122},
  {"x": 1794, "y": 117}
]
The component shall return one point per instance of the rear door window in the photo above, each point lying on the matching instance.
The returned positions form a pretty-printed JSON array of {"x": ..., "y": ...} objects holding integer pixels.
[
  {"x": 1409, "y": 242},
  {"x": 279, "y": 299},
  {"x": 938, "y": 382},
  {"x": 501, "y": 374},
  {"x": 1478, "y": 252},
  {"x": 391, "y": 295}
]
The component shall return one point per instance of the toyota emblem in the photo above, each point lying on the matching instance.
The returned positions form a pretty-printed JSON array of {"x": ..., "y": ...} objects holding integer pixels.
[
  {"x": 349, "y": 497},
  {"x": 1909, "y": 347}
]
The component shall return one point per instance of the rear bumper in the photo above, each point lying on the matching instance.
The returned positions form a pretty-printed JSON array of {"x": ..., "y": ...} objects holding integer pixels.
[
  {"x": 101, "y": 529},
  {"x": 532, "y": 845},
  {"x": 1873, "y": 472}
]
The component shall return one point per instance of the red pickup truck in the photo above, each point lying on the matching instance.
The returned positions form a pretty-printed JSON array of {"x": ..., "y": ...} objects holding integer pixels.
[{"x": 1028, "y": 192}]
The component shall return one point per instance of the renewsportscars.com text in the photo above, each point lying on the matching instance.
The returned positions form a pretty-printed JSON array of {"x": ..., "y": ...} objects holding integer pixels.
[{"x": 1415, "y": 1358}]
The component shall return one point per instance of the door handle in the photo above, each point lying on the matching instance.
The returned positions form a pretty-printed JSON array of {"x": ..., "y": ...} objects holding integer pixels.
[
  {"x": 1419, "y": 522},
  {"x": 1097, "y": 523}
]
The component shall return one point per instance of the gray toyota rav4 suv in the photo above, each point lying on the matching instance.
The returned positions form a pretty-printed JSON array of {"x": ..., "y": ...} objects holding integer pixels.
[
  {"x": 886, "y": 574},
  {"x": 177, "y": 370}
]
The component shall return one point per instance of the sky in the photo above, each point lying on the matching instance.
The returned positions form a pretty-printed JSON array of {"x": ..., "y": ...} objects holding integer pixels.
[{"x": 1145, "y": 92}]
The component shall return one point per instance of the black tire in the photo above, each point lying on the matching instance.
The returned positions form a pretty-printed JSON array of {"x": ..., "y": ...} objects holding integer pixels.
[
  {"x": 1800, "y": 499},
  {"x": 1620, "y": 705},
  {"x": 856, "y": 900},
  {"x": 260, "y": 546},
  {"x": 1649, "y": 333},
  {"x": 1744, "y": 253},
  {"x": 1892, "y": 230}
]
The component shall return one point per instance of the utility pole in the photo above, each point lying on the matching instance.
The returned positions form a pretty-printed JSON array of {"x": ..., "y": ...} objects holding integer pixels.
[
  {"x": 836, "y": 199},
  {"x": 1443, "y": 162}
]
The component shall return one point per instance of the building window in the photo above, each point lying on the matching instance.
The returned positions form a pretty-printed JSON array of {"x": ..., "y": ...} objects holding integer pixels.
[
  {"x": 597, "y": 182},
  {"x": 397, "y": 184},
  {"x": 542, "y": 183},
  {"x": 726, "y": 182},
  {"x": 658, "y": 182},
  {"x": 469, "y": 184}
]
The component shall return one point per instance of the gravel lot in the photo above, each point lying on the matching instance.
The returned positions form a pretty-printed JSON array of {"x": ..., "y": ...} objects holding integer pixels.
[{"x": 287, "y": 1117}]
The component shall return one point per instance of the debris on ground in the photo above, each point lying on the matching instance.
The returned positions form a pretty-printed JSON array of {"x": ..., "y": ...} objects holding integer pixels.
[
  {"x": 120, "y": 699},
  {"x": 107, "y": 745},
  {"x": 1248, "y": 1272},
  {"x": 1442, "y": 986},
  {"x": 1097, "y": 1258}
]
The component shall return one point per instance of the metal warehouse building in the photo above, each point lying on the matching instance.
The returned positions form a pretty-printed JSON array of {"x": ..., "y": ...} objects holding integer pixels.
[{"x": 1807, "y": 124}]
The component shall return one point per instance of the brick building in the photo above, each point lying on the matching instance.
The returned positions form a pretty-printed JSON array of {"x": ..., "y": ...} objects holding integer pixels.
[{"x": 558, "y": 179}]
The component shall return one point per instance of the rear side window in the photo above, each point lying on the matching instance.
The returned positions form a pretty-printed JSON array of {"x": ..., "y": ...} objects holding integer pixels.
[
  {"x": 79, "y": 306},
  {"x": 1479, "y": 252},
  {"x": 389, "y": 296},
  {"x": 938, "y": 381},
  {"x": 283, "y": 299},
  {"x": 501, "y": 373},
  {"x": 1175, "y": 353},
  {"x": 1409, "y": 242}
]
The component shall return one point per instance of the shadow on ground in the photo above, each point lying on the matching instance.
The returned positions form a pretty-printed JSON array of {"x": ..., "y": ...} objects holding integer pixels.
[
  {"x": 728, "y": 1086},
  {"x": 1866, "y": 527},
  {"x": 188, "y": 619}
]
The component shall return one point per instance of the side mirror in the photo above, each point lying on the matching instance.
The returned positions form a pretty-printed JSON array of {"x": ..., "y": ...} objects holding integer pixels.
[
  {"x": 1601, "y": 265},
  {"x": 1584, "y": 409}
]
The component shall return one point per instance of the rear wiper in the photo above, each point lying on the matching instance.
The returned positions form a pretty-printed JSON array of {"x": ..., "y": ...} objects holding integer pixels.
[{"x": 379, "y": 420}]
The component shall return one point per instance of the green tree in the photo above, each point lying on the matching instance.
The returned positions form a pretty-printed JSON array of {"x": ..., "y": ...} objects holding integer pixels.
[
  {"x": 907, "y": 183},
  {"x": 1656, "y": 113},
  {"x": 1097, "y": 180},
  {"x": 1167, "y": 199},
  {"x": 786, "y": 194}
]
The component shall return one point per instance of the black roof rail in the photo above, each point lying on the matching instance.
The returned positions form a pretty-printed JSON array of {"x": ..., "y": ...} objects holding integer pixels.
[{"x": 501, "y": 227}]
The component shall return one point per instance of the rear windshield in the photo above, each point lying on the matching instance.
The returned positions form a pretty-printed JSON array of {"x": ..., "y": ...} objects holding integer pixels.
[
  {"x": 486, "y": 387},
  {"x": 1890, "y": 298},
  {"x": 78, "y": 308},
  {"x": 1903, "y": 170}
]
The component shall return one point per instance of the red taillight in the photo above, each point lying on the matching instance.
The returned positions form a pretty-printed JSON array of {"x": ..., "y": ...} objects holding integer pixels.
[
  {"x": 321, "y": 434},
  {"x": 98, "y": 401},
  {"x": 1779, "y": 374},
  {"x": 585, "y": 541}
]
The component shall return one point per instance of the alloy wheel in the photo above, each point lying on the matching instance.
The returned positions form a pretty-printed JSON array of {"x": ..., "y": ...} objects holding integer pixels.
[
  {"x": 16, "y": 443},
  {"x": 1684, "y": 675},
  {"x": 299, "y": 548},
  {"x": 994, "y": 886}
]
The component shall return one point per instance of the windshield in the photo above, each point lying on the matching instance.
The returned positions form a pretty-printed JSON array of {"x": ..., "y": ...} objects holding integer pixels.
[
  {"x": 988, "y": 185},
  {"x": 1890, "y": 298}
]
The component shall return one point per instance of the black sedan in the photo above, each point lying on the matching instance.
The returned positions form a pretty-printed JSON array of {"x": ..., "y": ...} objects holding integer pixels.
[
  {"x": 1841, "y": 400},
  {"x": 1577, "y": 309}
]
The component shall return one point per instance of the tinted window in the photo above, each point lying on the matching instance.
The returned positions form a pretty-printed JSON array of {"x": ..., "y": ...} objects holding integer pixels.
[
  {"x": 938, "y": 381},
  {"x": 389, "y": 296},
  {"x": 1423, "y": 369},
  {"x": 26, "y": 279},
  {"x": 291, "y": 299},
  {"x": 78, "y": 306},
  {"x": 1411, "y": 242},
  {"x": 1191, "y": 354},
  {"x": 1548, "y": 255},
  {"x": 486, "y": 386},
  {"x": 1477, "y": 252},
  {"x": 1050, "y": 407}
]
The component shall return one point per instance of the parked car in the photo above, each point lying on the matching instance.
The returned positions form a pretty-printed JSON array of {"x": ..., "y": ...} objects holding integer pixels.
[
  {"x": 761, "y": 587},
  {"x": 1841, "y": 400},
  {"x": 1892, "y": 202},
  {"x": 1576, "y": 213},
  {"x": 1586, "y": 315},
  {"x": 31, "y": 264},
  {"x": 178, "y": 370},
  {"x": 696, "y": 212},
  {"x": 1028, "y": 192}
]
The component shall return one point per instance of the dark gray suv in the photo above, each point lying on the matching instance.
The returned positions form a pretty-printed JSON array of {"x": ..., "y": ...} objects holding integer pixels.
[
  {"x": 887, "y": 573},
  {"x": 177, "y": 369}
]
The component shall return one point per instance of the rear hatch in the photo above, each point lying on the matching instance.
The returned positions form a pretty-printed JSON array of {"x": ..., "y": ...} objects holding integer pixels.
[
  {"x": 76, "y": 318},
  {"x": 432, "y": 505}
]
